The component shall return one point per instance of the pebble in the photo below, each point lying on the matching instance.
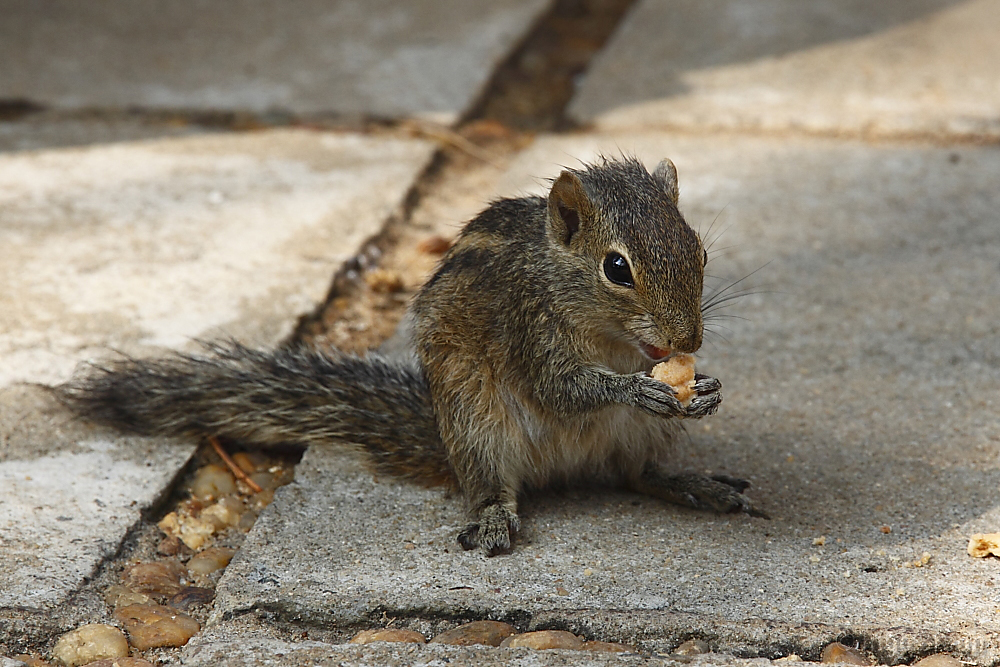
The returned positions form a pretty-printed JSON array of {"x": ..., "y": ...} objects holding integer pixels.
[
  {"x": 121, "y": 596},
  {"x": 251, "y": 462},
  {"x": 259, "y": 501},
  {"x": 190, "y": 597},
  {"x": 693, "y": 647},
  {"x": 194, "y": 533},
  {"x": 31, "y": 661},
  {"x": 544, "y": 639},
  {"x": 121, "y": 662},
  {"x": 210, "y": 560},
  {"x": 162, "y": 577},
  {"x": 384, "y": 281},
  {"x": 223, "y": 514},
  {"x": 606, "y": 647},
  {"x": 434, "y": 245},
  {"x": 154, "y": 626},
  {"x": 837, "y": 652},
  {"x": 169, "y": 546},
  {"x": 212, "y": 481},
  {"x": 487, "y": 633},
  {"x": 388, "y": 635},
  {"x": 938, "y": 660},
  {"x": 89, "y": 643}
]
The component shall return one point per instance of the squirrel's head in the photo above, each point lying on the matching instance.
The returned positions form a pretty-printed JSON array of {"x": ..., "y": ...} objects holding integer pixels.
[{"x": 646, "y": 266}]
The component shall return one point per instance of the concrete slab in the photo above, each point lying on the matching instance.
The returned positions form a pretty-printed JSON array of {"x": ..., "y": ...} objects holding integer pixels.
[
  {"x": 896, "y": 67},
  {"x": 861, "y": 401},
  {"x": 382, "y": 58},
  {"x": 223, "y": 649},
  {"x": 151, "y": 244},
  {"x": 46, "y": 130},
  {"x": 137, "y": 247}
]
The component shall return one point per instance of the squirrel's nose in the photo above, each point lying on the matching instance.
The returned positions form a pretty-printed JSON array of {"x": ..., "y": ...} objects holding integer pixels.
[{"x": 687, "y": 341}]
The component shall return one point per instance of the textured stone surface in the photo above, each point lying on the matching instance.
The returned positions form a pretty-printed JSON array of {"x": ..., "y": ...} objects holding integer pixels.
[
  {"x": 225, "y": 648},
  {"x": 152, "y": 244},
  {"x": 832, "y": 66},
  {"x": 376, "y": 58},
  {"x": 860, "y": 394},
  {"x": 136, "y": 247}
]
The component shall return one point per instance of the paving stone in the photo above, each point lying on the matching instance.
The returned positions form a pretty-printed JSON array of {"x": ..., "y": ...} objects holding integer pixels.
[
  {"x": 832, "y": 66},
  {"x": 860, "y": 394},
  {"x": 155, "y": 243},
  {"x": 137, "y": 247},
  {"x": 378, "y": 58},
  {"x": 228, "y": 648}
]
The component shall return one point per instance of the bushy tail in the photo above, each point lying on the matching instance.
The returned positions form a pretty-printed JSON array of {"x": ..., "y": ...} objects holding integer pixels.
[{"x": 259, "y": 399}]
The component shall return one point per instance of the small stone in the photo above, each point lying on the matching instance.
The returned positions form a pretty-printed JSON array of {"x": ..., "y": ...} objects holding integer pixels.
[
  {"x": 434, "y": 245},
  {"x": 162, "y": 577},
  {"x": 190, "y": 597},
  {"x": 791, "y": 657},
  {"x": 693, "y": 647},
  {"x": 246, "y": 522},
  {"x": 194, "y": 533},
  {"x": 210, "y": 560},
  {"x": 169, "y": 546},
  {"x": 251, "y": 462},
  {"x": 223, "y": 514},
  {"x": 837, "y": 652},
  {"x": 31, "y": 660},
  {"x": 89, "y": 643},
  {"x": 121, "y": 596},
  {"x": 121, "y": 662},
  {"x": 487, "y": 633},
  {"x": 938, "y": 660},
  {"x": 561, "y": 591},
  {"x": 606, "y": 647},
  {"x": 544, "y": 639},
  {"x": 384, "y": 281},
  {"x": 212, "y": 481},
  {"x": 259, "y": 501},
  {"x": 388, "y": 635},
  {"x": 982, "y": 545},
  {"x": 154, "y": 626}
]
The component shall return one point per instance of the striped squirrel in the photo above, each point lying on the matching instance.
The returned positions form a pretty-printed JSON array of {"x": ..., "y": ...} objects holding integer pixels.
[{"x": 526, "y": 362}]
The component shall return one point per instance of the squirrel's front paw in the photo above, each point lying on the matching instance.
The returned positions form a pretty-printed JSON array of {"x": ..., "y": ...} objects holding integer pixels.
[
  {"x": 707, "y": 397},
  {"x": 655, "y": 397},
  {"x": 494, "y": 532}
]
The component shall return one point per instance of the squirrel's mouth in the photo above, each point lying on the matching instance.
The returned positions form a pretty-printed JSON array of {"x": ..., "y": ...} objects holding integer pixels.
[{"x": 653, "y": 352}]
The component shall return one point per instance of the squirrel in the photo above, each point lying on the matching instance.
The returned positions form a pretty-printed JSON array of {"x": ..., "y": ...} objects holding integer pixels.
[{"x": 525, "y": 362}]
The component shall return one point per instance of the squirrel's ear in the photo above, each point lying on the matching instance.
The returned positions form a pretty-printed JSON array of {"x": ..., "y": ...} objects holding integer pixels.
[
  {"x": 569, "y": 205},
  {"x": 666, "y": 173}
]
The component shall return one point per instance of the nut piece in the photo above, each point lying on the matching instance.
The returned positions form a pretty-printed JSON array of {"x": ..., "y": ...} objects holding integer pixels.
[
  {"x": 982, "y": 545},
  {"x": 678, "y": 372},
  {"x": 89, "y": 643}
]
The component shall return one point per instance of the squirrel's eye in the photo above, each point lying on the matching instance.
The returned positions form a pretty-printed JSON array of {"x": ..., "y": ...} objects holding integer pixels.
[{"x": 617, "y": 270}]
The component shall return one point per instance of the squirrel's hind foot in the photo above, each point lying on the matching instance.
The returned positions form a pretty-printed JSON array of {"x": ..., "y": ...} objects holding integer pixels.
[
  {"x": 719, "y": 493},
  {"x": 494, "y": 532}
]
